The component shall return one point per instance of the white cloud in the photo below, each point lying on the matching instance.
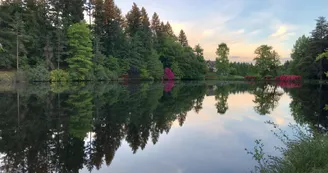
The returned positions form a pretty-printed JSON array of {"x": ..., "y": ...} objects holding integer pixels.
[
  {"x": 281, "y": 31},
  {"x": 255, "y": 32},
  {"x": 241, "y": 31}
]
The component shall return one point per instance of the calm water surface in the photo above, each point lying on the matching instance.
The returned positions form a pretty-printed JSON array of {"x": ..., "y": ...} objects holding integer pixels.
[{"x": 149, "y": 127}]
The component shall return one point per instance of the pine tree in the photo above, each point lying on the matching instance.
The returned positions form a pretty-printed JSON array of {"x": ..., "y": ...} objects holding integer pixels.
[
  {"x": 319, "y": 42},
  {"x": 135, "y": 56},
  {"x": 133, "y": 20},
  {"x": 145, "y": 33},
  {"x": 99, "y": 18},
  {"x": 183, "y": 38},
  {"x": 169, "y": 30},
  {"x": 109, "y": 11},
  {"x": 156, "y": 24},
  {"x": 72, "y": 11},
  {"x": 80, "y": 51},
  {"x": 7, "y": 36},
  {"x": 40, "y": 47},
  {"x": 13, "y": 36}
]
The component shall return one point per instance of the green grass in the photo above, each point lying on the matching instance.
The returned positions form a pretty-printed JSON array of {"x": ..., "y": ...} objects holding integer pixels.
[
  {"x": 214, "y": 76},
  {"x": 305, "y": 154}
]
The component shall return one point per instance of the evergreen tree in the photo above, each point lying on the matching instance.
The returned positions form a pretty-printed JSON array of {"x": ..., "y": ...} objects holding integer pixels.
[
  {"x": 319, "y": 42},
  {"x": 7, "y": 36},
  {"x": 146, "y": 31},
  {"x": 40, "y": 47},
  {"x": 302, "y": 62},
  {"x": 183, "y": 38},
  {"x": 72, "y": 11},
  {"x": 80, "y": 51},
  {"x": 156, "y": 25},
  {"x": 133, "y": 20},
  {"x": 155, "y": 66},
  {"x": 168, "y": 30}
]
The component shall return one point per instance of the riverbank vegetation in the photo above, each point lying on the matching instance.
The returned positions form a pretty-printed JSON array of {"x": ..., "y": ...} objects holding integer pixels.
[
  {"x": 302, "y": 153},
  {"x": 51, "y": 41}
]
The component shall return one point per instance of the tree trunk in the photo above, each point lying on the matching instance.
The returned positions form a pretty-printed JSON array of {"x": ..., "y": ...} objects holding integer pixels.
[{"x": 17, "y": 54}]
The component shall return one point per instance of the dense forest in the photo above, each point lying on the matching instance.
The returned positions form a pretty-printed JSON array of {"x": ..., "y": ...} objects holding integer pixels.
[
  {"x": 78, "y": 40},
  {"x": 50, "y": 40}
]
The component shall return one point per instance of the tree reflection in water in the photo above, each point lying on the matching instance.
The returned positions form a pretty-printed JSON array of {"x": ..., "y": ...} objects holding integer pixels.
[{"x": 47, "y": 128}]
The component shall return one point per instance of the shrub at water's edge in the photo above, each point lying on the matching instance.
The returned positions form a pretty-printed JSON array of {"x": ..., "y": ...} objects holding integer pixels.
[
  {"x": 303, "y": 153},
  {"x": 59, "y": 76}
]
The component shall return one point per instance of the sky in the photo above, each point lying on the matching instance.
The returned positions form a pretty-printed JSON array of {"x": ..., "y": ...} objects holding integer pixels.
[{"x": 243, "y": 25}]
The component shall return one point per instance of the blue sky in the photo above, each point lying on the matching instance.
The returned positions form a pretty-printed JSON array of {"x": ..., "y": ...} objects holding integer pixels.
[{"x": 242, "y": 24}]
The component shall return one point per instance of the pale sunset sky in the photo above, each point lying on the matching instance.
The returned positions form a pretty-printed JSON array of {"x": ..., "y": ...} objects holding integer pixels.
[{"x": 242, "y": 24}]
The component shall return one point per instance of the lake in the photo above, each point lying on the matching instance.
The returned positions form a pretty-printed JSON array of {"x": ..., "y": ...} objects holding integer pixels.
[{"x": 179, "y": 127}]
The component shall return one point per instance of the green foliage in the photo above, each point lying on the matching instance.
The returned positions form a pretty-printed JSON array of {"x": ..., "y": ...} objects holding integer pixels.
[
  {"x": 222, "y": 61},
  {"x": 38, "y": 73},
  {"x": 308, "y": 52},
  {"x": 80, "y": 53},
  {"x": 266, "y": 99},
  {"x": 144, "y": 74},
  {"x": 113, "y": 45},
  {"x": 155, "y": 66},
  {"x": 304, "y": 154},
  {"x": 266, "y": 60},
  {"x": 183, "y": 38},
  {"x": 243, "y": 69},
  {"x": 59, "y": 75},
  {"x": 302, "y": 62},
  {"x": 80, "y": 114},
  {"x": 113, "y": 65},
  {"x": 221, "y": 95}
]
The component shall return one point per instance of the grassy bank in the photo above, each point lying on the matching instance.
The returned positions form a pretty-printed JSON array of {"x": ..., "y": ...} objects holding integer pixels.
[
  {"x": 214, "y": 76},
  {"x": 306, "y": 153},
  {"x": 7, "y": 76}
]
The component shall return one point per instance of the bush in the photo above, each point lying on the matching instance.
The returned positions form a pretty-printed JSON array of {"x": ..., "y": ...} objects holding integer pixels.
[
  {"x": 144, "y": 73},
  {"x": 112, "y": 75},
  {"x": 101, "y": 73},
  {"x": 304, "y": 153},
  {"x": 59, "y": 75},
  {"x": 38, "y": 74},
  {"x": 168, "y": 74}
]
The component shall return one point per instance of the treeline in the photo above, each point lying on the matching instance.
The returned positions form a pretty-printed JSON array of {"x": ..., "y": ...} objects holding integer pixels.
[
  {"x": 267, "y": 63},
  {"x": 309, "y": 58},
  {"x": 307, "y": 53},
  {"x": 49, "y": 40}
]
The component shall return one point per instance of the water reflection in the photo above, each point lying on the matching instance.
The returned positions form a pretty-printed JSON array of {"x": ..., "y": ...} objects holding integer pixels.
[{"x": 47, "y": 128}]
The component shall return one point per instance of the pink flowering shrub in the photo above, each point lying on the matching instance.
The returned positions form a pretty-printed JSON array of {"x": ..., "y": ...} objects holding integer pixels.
[
  {"x": 168, "y": 86},
  {"x": 289, "y": 78},
  {"x": 250, "y": 77},
  {"x": 168, "y": 74}
]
